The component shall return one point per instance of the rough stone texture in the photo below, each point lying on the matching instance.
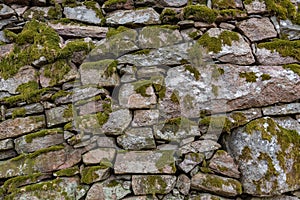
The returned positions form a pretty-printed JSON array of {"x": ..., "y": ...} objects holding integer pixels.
[
  {"x": 152, "y": 184},
  {"x": 255, "y": 7},
  {"x": 30, "y": 109},
  {"x": 155, "y": 162},
  {"x": 93, "y": 174},
  {"x": 291, "y": 30},
  {"x": 25, "y": 74},
  {"x": 145, "y": 118},
  {"x": 207, "y": 196},
  {"x": 96, "y": 155},
  {"x": 137, "y": 139},
  {"x": 223, "y": 163},
  {"x": 145, "y": 16},
  {"x": 6, "y": 11},
  {"x": 33, "y": 142},
  {"x": 183, "y": 184},
  {"x": 216, "y": 184},
  {"x": 82, "y": 14},
  {"x": 117, "y": 122},
  {"x": 6, "y": 144},
  {"x": 257, "y": 29},
  {"x": 5, "y": 49},
  {"x": 20, "y": 126},
  {"x": 293, "y": 108},
  {"x": 207, "y": 147},
  {"x": 266, "y": 156},
  {"x": 281, "y": 197},
  {"x": 7, "y": 154},
  {"x": 105, "y": 190},
  {"x": 58, "y": 115}
]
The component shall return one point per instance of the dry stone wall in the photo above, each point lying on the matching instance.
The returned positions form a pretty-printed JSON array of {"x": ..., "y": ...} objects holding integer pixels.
[{"x": 145, "y": 99}]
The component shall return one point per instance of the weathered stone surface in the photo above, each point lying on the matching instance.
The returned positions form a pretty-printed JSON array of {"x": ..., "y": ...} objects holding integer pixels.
[
  {"x": 39, "y": 140},
  {"x": 145, "y": 118},
  {"x": 59, "y": 115},
  {"x": 183, "y": 184},
  {"x": 7, "y": 22},
  {"x": 255, "y": 7},
  {"x": 73, "y": 30},
  {"x": 20, "y": 126},
  {"x": 25, "y": 74},
  {"x": 96, "y": 155},
  {"x": 287, "y": 28},
  {"x": 161, "y": 161},
  {"x": 223, "y": 163},
  {"x": 137, "y": 139},
  {"x": 174, "y": 3},
  {"x": 106, "y": 142},
  {"x": 6, "y": 144},
  {"x": 288, "y": 123},
  {"x": 216, "y": 184},
  {"x": 83, "y": 14},
  {"x": 7, "y": 154},
  {"x": 108, "y": 189},
  {"x": 286, "y": 109},
  {"x": 118, "y": 5},
  {"x": 41, "y": 13},
  {"x": 5, "y": 49},
  {"x": 86, "y": 93},
  {"x": 5, "y": 11},
  {"x": 60, "y": 188},
  {"x": 207, "y": 196},
  {"x": 155, "y": 37},
  {"x": 102, "y": 73},
  {"x": 267, "y": 155},
  {"x": 117, "y": 122},
  {"x": 257, "y": 29},
  {"x": 238, "y": 53},
  {"x": 141, "y": 198},
  {"x": 145, "y": 16},
  {"x": 170, "y": 55},
  {"x": 94, "y": 174},
  {"x": 129, "y": 98},
  {"x": 29, "y": 109},
  {"x": 207, "y": 147},
  {"x": 190, "y": 161},
  {"x": 152, "y": 184},
  {"x": 280, "y": 197}
]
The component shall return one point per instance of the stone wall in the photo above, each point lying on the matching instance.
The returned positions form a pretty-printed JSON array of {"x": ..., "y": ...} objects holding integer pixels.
[{"x": 145, "y": 99}]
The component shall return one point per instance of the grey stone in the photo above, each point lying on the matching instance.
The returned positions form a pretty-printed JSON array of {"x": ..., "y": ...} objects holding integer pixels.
[
  {"x": 7, "y": 48},
  {"x": 141, "y": 198},
  {"x": 73, "y": 30},
  {"x": 257, "y": 29},
  {"x": 155, "y": 162},
  {"x": 152, "y": 184},
  {"x": 174, "y": 3},
  {"x": 207, "y": 196},
  {"x": 96, "y": 155},
  {"x": 20, "y": 126},
  {"x": 106, "y": 142},
  {"x": 255, "y": 7},
  {"x": 58, "y": 115},
  {"x": 6, "y": 11},
  {"x": 82, "y": 93},
  {"x": 190, "y": 161},
  {"x": 228, "y": 187},
  {"x": 145, "y": 118},
  {"x": 117, "y": 122},
  {"x": 30, "y": 109},
  {"x": 287, "y": 123},
  {"x": 266, "y": 156},
  {"x": 83, "y": 14},
  {"x": 280, "y": 197},
  {"x": 183, "y": 184},
  {"x": 41, "y": 13},
  {"x": 137, "y": 139},
  {"x": 94, "y": 174},
  {"x": 207, "y": 147},
  {"x": 25, "y": 74},
  {"x": 292, "y": 31},
  {"x": 285, "y": 109},
  {"x": 145, "y": 16},
  {"x": 7, "y": 154},
  {"x": 9, "y": 21},
  {"x": 6, "y": 144},
  {"x": 227, "y": 26}
]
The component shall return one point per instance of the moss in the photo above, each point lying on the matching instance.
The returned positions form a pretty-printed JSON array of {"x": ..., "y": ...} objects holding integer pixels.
[
  {"x": 155, "y": 184},
  {"x": 19, "y": 112},
  {"x": 172, "y": 125},
  {"x": 265, "y": 77},
  {"x": 94, "y": 6},
  {"x": 223, "y": 4},
  {"x": 12, "y": 184},
  {"x": 239, "y": 119},
  {"x": 193, "y": 70},
  {"x": 294, "y": 67},
  {"x": 194, "y": 34},
  {"x": 156, "y": 82},
  {"x": 76, "y": 46},
  {"x": 45, "y": 150},
  {"x": 169, "y": 16},
  {"x": 89, "y": 174},
  {"x": 111, "y": 69},
  {"x": 55, "y": 12},
  {"x": 142, "y": 52},
  {"x": 214, "y": 44},
  {"x": 215, "y": 90},
  {"x": 114, "y": 31},
  {"x": 102, "y": 117},
  {"x": 106, "y": 163},
  {"x": 108, "y": 66},
  {"x": 68, "y": 126},
  {"x": 141, "y": 87},
  {"x": 166, "y": 26},
  {"x": 217, "y": 72},
  {"x": 200, "y": 13},
  {"x": 271, "y": 171},
  {"x": 112, "y": 183},
  {"x": 231, "y": 14},
  {"x": 61, "y": 93},
  {"x": 174, "y": 97},
  {"x": 68, "y": 172},
  {"x": 166, "y": 160},
  {"x": 216, "y": 122},
  {"x": 249, "y": 76},
  {"x": 68, "y": 112},
  {"x": 246, "y": 154},
  {"x": 56, "y": 71},
  {"x": 284, "y": 47},
  {"x": 42, "y": 133}
]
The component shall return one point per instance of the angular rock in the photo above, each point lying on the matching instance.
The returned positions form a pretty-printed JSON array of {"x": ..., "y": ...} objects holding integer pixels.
[
  {"x": 183, "y": 184},
  {"x": 223, "y": 163},
  {"x": 207, "y": 196},
  {"x": 9, "y": 21},
  {"x": 148, "y": 37},
  {"x": 108, "y": 189},
  {"x": 94, "y": 174},
  {"x": 25, "y": 74},
  {"x": 39, "y": 140},
  {"x": 129, "y": 98},
  {"x": 286, "y": 109},
  {"x": 73, "y": 30},
  {"x": 207, "y": 147},
  {"x": 152, "y": 184},
  {"x": 280, "y": 197},
  {"x": 174, "y": 3},
  {"x": 137, "y": 139},
  {"x": 145, "y": 118},
  {"x": 5, "y": 49},
  {"x": 96, "y": 155},
  {"x": 155, "y": 162},
  {"x": 145, "y": 16},
  {"x": 41, "y": 13},
  {"x": 267, "y": 155},
  {"x": 106, "y": 142},
  {"x": 117, "y": 122},
  {"x": 216, "y": 184},
  {"x": 118, "y": 5},
  {"x": 7, "y": 154},
  {"x": 6, "y": 144},
  {"x": 59, "y": 188},
  {"x": 6, "y": 11},
  {"x": 29, "y": 109},
  {"x": 287, "y": 28},
  {"x": 82, "y": 93},
  {"x": 257, "y": 29},
  {"x": 255, "y": 7},
  {"x": 59, "y": 115},
  {"x": 288, "y": 123},
  {"x": 83, "y": 14},
  {"x": 141, "y": 198},
  {"x": 102, "y": 73},
  {"x": 20, "y": 126},
  {"x": 190, "y": 161}
]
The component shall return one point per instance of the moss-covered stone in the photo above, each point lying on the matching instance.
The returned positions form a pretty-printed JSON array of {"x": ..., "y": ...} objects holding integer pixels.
[
  {"x": 169, "y": 16},
  {"x": 142, "y": 52},
  {"x": 61, "y": 93},
  {"x": 42, "y": 133},
  {"x": 56, "y": 71},
  {"x": 265, "y": 77},
  {"x": 294, "y": 67},
  {"x": 200, "y": 13},
  {"x": 68, "y": 172},
  {"x": 19, "y": 112},
  {"x": 217, "y": 123},
  {"x": 156, "y": 82},
  {"x": 223, "y": 4},
  {"x": 249, "y": 76},
  {"x": 193, "y": 70},
  {"x": 113, "y": 2},
  {"x": 114, "y": 31},
  {"x": 93, "y": 174}
]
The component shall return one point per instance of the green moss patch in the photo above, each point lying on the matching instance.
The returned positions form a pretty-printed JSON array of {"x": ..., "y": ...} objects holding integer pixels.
[
  {"x": 265, "y": 77},
  {"x": 19, "y": 112},
  {"x": 200, "y": 13},
  {"x": 42, "y": 133},
  {"x": 68, "y": 172},
  {"x": 193, "y": 70},
  {"x": 169, "y": 16},
  {"x": 223, "y": 4},
  {"x": 114, "y": 2},
  {"x": 91, "y": 174},
  {"x": 217, "y": 123},
  {"x": 214, "y": 44},
  {"x": 249, "y": 76},
  {"x": 284, "y": 47},
  {"x": 56, "y": 71},
  {"x": 294, "y": 67},
  {"x": 114, "y": 31},
  {"x": 156, "y": 82}
]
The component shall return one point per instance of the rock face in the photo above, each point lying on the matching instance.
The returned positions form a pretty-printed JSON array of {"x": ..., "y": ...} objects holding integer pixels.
[{"x": 83, "y": 14}]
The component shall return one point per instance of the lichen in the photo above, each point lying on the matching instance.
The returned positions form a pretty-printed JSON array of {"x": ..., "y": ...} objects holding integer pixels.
[
  {"x": 68, "y": 112},
  {"x": 155, "y": 184},
  {"x": 89, "y": 174},
  {"x": 217, "y": 123},
  {"x": 68, "y": 172},
  {"x": 19, "y": 112},
  {"x": 246, "y": 154},
  {"x": 175, "y": 97},
  {"x": 200, "y": 13},
  {"x": 249, "y": 76},
  {"x": 193, "y": 70},
  {"x": 166, "y": 161},
  {"x": 42, "y": 133},
  {"x": 294, "y": 67}
]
